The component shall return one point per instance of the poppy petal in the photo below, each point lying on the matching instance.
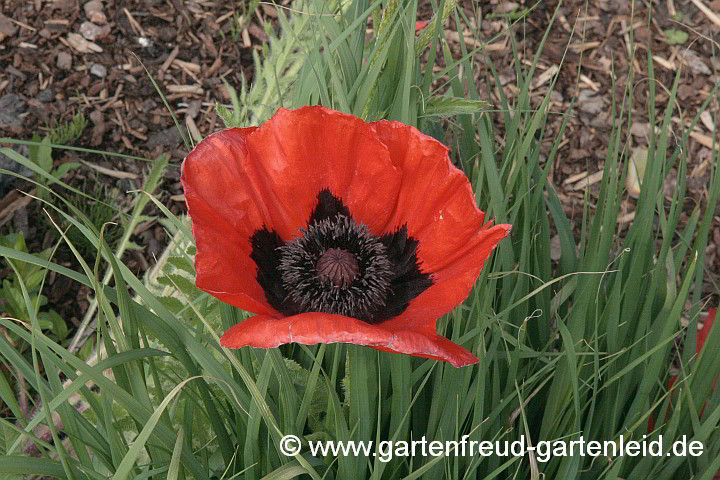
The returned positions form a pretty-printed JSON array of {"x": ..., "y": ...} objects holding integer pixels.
[
  {"x": 225, "y": 211},
  {"x": 438, "y": 205},
  {"x": 452, "y": 284},
  {"x": 436, "y": 200},
  {"x": 298, "y": 153},
  {"x": 263, "y": 331},
  {"x": 702, "y": 334}
]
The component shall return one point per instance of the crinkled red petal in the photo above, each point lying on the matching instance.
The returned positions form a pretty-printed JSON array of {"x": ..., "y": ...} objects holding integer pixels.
[
  {"x": 298, "y": 153},
  {"x": 225, "y": 212},
  {"x": 436, "y": 199},
  {"x": 702, "y": 334},
  {"x": 452, "y": 284},
  {"x": 264, "y": 331},
  {"x": 437, "y": 203}
]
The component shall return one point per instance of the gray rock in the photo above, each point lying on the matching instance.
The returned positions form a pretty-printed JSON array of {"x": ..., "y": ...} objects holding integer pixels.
[
  {"x": 98, "y": 70},
  {"x": 7, "y": 28},
  {"x": 695, "y": 63},
  {"x": 94, "y": 32},
  {"x": 7, "y": 163},
  {"x": 45, "y": 96},
  {"x": 168, "y": 137},
  {"x": 64, "y": 61},
  {"x": 590, "y": 103},
  {"x": 11, "y": 106}
]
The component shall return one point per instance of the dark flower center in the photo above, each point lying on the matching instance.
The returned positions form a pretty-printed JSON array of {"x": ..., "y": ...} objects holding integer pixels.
[
  {"x": 338, "y": 266},
  {"x": 308, "y": 290}
]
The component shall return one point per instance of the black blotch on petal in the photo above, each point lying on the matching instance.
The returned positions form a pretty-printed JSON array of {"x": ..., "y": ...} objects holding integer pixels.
[
  {"x": 328, "y": 206},
  {"x": 265, "y": 254},
  {"x": 389, "y": 276},
  {"x": 408, "y": 281}
]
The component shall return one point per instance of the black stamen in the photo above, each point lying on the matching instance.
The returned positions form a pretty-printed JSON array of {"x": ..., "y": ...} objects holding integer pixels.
[{"x": 337, "y": 266}]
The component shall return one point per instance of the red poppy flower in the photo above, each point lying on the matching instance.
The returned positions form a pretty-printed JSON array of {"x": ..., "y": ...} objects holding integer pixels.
[
  {"x": 700, "y": 338},
  {"x": 702, "y": 335},
  {"x": 331, "y": 229}
]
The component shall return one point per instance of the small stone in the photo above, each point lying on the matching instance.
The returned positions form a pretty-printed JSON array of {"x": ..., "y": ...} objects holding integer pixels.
[
  {"x": 640, "y": 130},
  {"x": 125, "y": 185},
  {"x": 99, "y": 127},
  {"x": 94, "y": 11},
  {"x": 79, "y": 43},
  {"x": 168, "y": 137},
  {"x": 7, "y": 27},
  {"x": 98, "y": 70},
  {"x": 685, "y": 91},
  {"x": 715, "y": 62},
  {"x": 7, "y": 163},
  {"x": 556, "y": 97},
  {"x": 94, "y": 32},
  {"x": 11, "y": 106},
  {"x": 695, "y": 63},
  {"x": 506, "y": 7},
  {"x": 64, "y": 61},
  {"x": 506, "y": 78},
  {"x": 45, "y": 96},
  {"x": 590, "y": 103},
  {"x": 14, "y": 71},
  {"x": 194, "y": 108}
]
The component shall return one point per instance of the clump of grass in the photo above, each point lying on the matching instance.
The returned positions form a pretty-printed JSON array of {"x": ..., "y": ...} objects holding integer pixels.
[
  {"x": 100, "y": 206},
  {"x": 68, "y": 132}
]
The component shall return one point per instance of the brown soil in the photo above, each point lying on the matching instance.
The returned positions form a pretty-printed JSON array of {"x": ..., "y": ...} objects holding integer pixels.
[{"x": 586, "y": 43}]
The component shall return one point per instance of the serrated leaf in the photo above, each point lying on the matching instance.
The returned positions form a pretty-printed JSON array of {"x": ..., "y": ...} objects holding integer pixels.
[
  {"x": 144, "y": 218},
  {"x": 447, "y": 106},
  {"x": 181, "y": 283},
  {"x": 172, "y": 303},
  {"x": 224, "y": 114},
  {"x": 181, "y": 263}
]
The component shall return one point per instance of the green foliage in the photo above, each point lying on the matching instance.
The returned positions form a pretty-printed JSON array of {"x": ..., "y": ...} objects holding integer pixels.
[
  {"x": 275, "y": 73},
  {"x": 100, "y": 207},
  {"x": 41, "y": 154},
  {"x": 450, "y": 106},
  {"x": 674, "y": 36},
  {"x": 69, "y": 132},
  {"x": 241, "y": 20},
  {"x": 32, "y": 278}
]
